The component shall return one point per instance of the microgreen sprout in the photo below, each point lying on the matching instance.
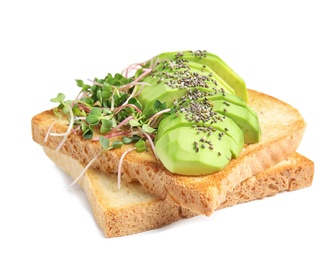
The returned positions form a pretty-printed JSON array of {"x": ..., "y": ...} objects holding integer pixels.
[
  {"x": 108, "y": 108},
  {"x": 120, "y": 165},
  {"x": 66, "y": 108},
  {"x": 139, "y": 147},
  {"x": 105, "y": 146}
]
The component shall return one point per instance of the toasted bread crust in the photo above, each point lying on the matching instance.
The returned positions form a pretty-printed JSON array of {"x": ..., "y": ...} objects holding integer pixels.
[
  {"x": 282, "y": 131},
  {"x": 131, "y": 210}
]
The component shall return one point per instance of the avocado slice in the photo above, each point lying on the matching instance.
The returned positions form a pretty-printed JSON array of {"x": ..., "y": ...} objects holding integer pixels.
[
  {"x": 216, "y": 64},
  {"x": 242, "y": 116},
  {"x": 170, "y": 80},
  {"x": 231, "y": 99},
  {"x": 205, "y": 70},
  {"x": 223, "y": 126},
  {"x": 183, "y": 151}
]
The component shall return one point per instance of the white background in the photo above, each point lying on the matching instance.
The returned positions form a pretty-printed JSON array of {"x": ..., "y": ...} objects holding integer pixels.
[{"x": 282, "y": 48}]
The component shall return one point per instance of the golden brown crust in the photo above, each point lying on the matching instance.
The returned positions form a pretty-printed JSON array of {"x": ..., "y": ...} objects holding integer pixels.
[
  {"x": 131, "y": 210},
  {"x": 282, "y": 130}
]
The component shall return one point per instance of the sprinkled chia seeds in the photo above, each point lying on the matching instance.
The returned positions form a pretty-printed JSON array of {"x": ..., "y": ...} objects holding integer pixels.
[{"x": 194, "y": 104}]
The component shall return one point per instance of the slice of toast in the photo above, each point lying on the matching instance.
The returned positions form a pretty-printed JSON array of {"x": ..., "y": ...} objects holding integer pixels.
[
  {"x": 282, "y": 130},
  {"x": 131, "y": 209}
]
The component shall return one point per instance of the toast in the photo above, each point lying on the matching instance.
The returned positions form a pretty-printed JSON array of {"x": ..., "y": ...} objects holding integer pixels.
[
  {"x": 282, "y": 129},
  {"x": 131, "y": 209}
]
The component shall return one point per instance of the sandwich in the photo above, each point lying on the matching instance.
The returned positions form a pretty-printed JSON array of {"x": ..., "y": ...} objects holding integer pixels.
[{"x": 181, "y": 133}]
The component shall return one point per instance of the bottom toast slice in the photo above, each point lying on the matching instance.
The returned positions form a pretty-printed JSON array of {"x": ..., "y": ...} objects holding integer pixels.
[{"x": 131, "y": 209}]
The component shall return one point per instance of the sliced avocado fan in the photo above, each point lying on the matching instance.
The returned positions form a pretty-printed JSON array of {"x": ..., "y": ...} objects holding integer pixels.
[{"x": 209, "y": 121}]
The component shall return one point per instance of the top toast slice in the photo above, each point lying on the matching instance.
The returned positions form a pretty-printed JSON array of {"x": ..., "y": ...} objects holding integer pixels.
[{"x": 282, "y": 129}]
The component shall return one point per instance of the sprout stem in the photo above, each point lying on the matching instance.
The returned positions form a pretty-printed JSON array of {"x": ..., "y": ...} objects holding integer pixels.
[
  {"x": 152, "y": 118},
  {"x": 49, "y": 131},
  {"x": 85, "y": 168},
  {"x": 127, "y": 105},
  {"x": 68, "y": 129},
  {"x": 150, "y": 141},
  {"x": 125, "y": 121},
  {"x": 120, "y": 165}
]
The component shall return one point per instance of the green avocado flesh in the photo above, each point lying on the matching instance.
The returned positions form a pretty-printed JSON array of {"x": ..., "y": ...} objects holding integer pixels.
[
  {"x": 242, "y": 117},
  {"x": 216, "y": 64},
  {"x": 180, "y": 154},
  {"x": 173, "y": 83},
  {"x": 231, "y": 99},
  {"x": 209, "y": 120},
  {"x": 224, "y": 126},
  {"x": 242, "y": 114}
]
